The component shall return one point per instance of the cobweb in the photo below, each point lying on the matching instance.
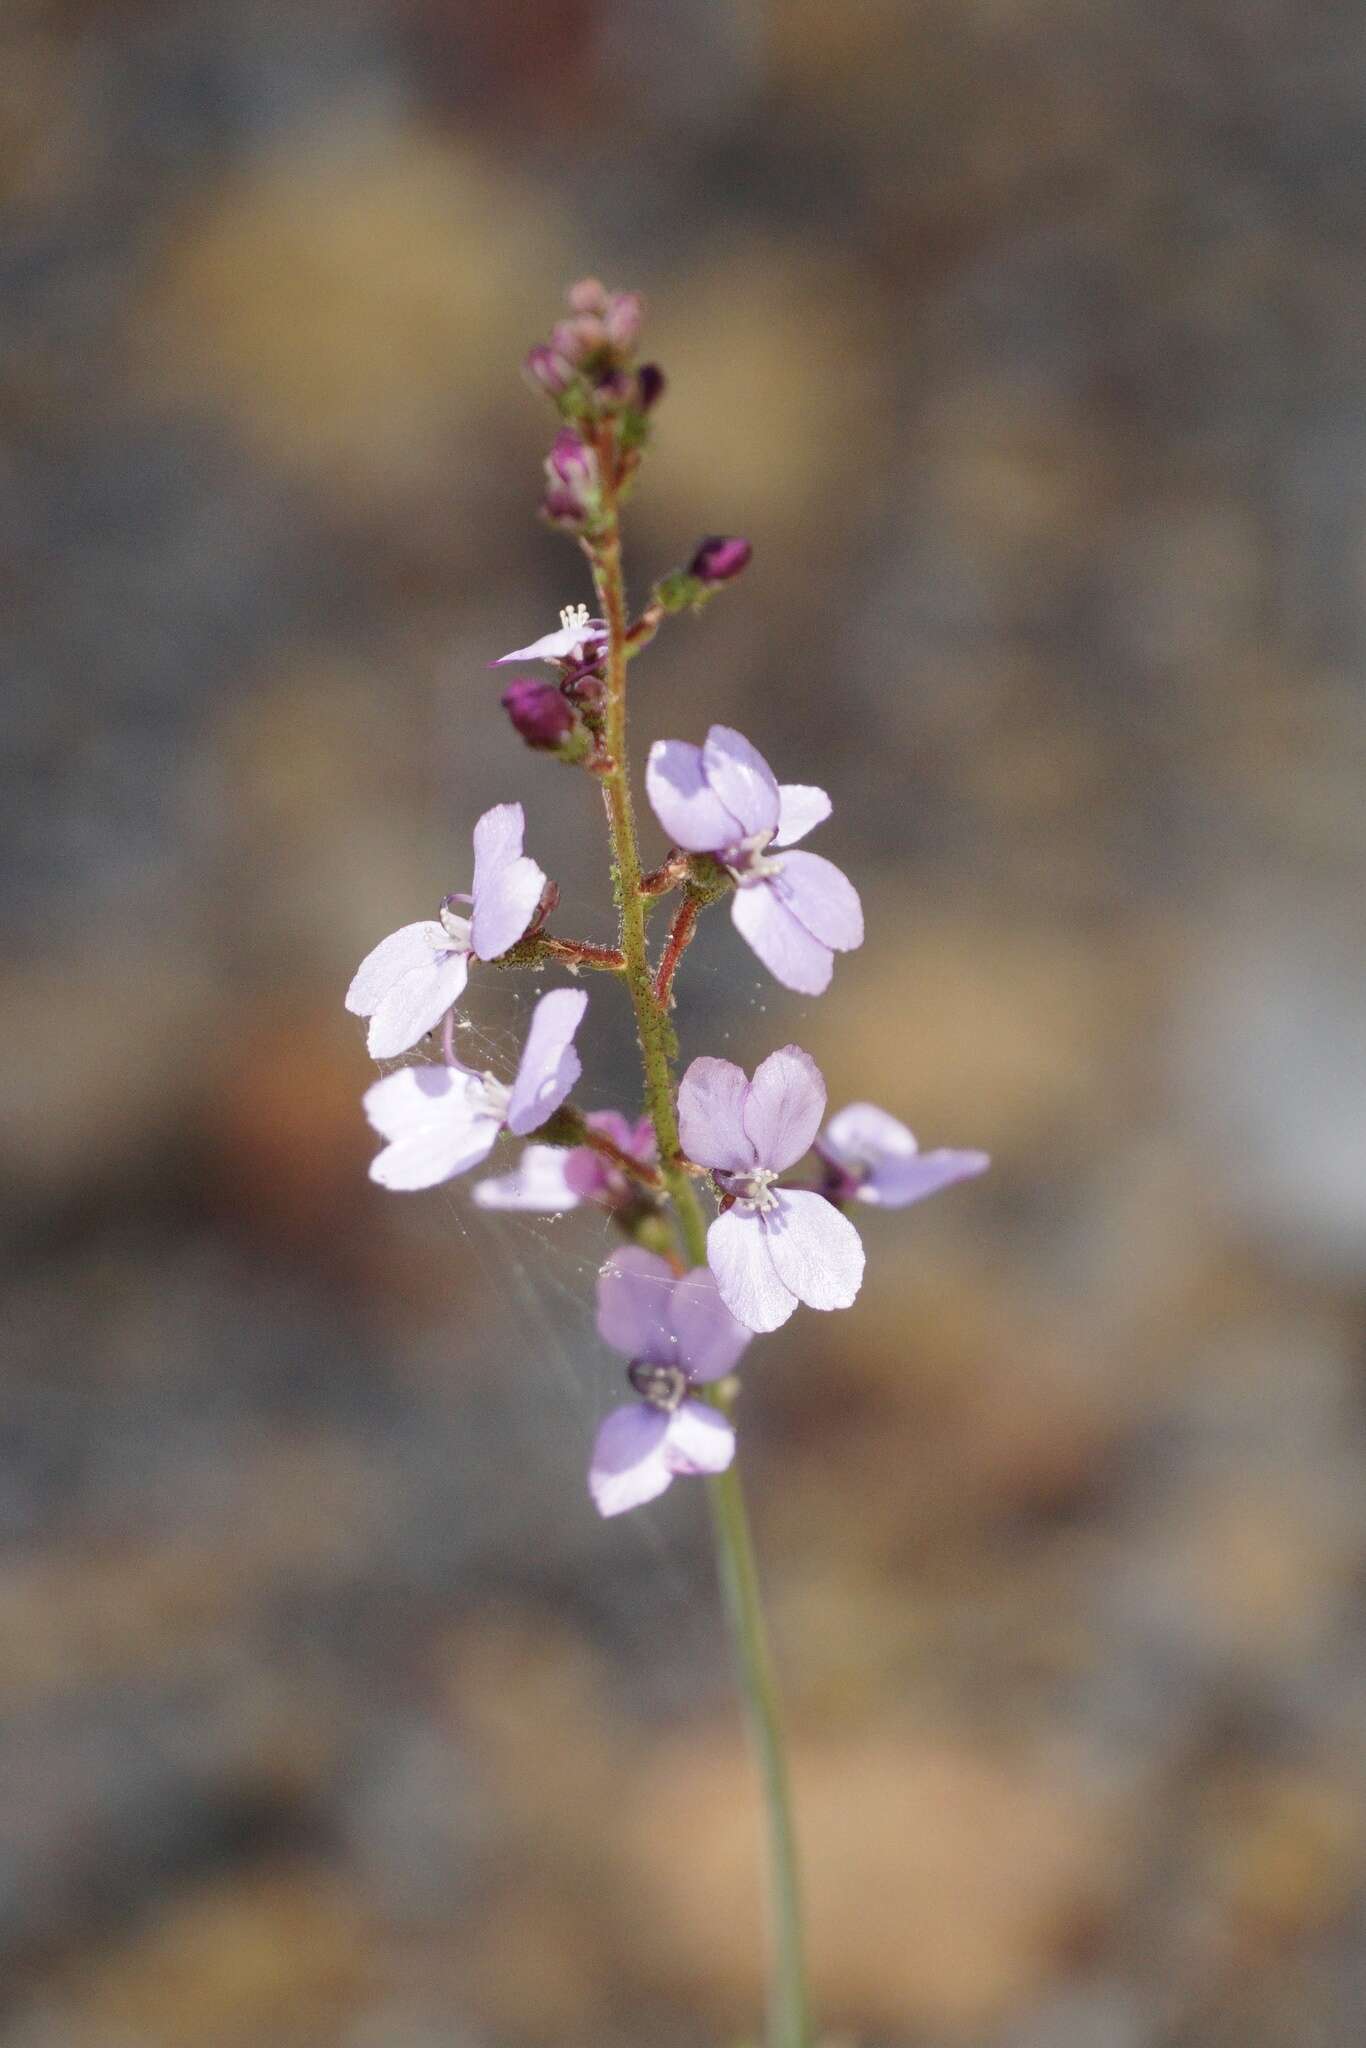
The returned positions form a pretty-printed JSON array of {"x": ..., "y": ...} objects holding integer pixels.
[{"x": 548, "y": 1265}]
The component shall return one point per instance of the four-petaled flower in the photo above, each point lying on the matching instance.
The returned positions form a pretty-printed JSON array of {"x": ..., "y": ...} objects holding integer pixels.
[
  {"x": 581, "y": 641},
  {"x": 870, "y": 1157},
  {"x": 796, "y": 910},
  {"x": 439, "y": 1121},
  {"x": 678, "y": 1334},
  {"x": 548, "y": 1179},
  {"x": 771, "y": 1246},
  {"x": 406, "y": 985}
]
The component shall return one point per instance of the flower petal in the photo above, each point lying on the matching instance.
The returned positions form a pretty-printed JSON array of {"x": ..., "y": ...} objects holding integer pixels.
[
  {"x": 412, "y": 945},
  {"x": 741, "y": 778},
  {"x": 561, "y": 645},
  {"x": 787, "y": 949},
  {"x": 437, "y": 1122},
  {"x": 628, "y": 1465},
  {"x": 538, "y": 1183},
  {"x": 690, "y": 812},
  {"x": 416, "y": 1004},
  {"x": 746, "y": 1279},
  {"x": 698, "y": 1439},
  {"x": 709, "y": 1342},
  {"x": 823, "y": 897},
  {"x": 894, "y": 1182},
  {"x": 801, "y": 808},
  {"x": 784, "y": 1107},
  {"x": 549, "y": 1065},
  {"x": 711, "y": 1102},
  {"x": 587, "y": 1173},
  {"x": 861, "y": 1134},
  {"x": 507, "y": 885},
  {"x": 635, "y": 1289},
  {"x": 815, "y": 1250}
]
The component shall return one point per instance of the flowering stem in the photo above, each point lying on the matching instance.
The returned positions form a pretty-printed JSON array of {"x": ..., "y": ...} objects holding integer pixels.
[
  {"x": 680, "y": 935},
  {"x": 788, "y": 2023}
]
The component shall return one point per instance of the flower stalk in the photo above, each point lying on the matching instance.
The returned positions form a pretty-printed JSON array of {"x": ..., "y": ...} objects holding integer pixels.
[{"x": 788, "y": 2022}]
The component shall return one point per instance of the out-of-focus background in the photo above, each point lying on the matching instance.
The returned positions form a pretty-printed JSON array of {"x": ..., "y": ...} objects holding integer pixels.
[{"x": 1023, "y": 337}]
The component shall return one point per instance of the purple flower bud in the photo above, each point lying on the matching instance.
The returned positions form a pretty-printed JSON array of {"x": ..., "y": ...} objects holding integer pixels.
[
  {"x": 539, "y": 713},
  {"x": 587, "y": 296},
  {"x": 649, "y": 386},
  {"x": 719, "y": 558},
  {"x": 577, "y": 340},
  {"x": 548, "y": 370},
  {"x": 570, "y": 463},
  {"x": 622, "y": 318}
]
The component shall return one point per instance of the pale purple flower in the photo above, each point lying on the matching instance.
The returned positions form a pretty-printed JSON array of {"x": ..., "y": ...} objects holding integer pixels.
[
  {"x": 549, "y": 1179},
  {"x": 771, "y": 1247},
  {"x": 439, "y": 1121},
  {"x": 579, "y": 640},
  {"x": 678, "y": 1334},
  {"x": 872, "y": 1158},
  {"x": 406, "y": 985},
  {"x": 795, "y": 909}
]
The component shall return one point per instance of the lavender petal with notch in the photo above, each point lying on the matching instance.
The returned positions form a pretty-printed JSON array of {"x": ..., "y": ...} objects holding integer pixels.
[
  {"x": 416, "y": 1004},
  {"x": 711, "y": 1105},
  {"x": 629, "y": 1465},
  {"x": 698, "y": 1439},
  {"x": 746, "y": 1278},
  {"x": 741, "y": 778},
  {"x": 405, "y": 985},
  {"x": 822, "y": 898},
  {"x": 549, "y": 1065},
  {"x": 784, "y": 1104},
  {"x": 787, "y": 949},
  {"x": 635, "y": 1291},
  {"x": 816, "y": 1251},
  {"x": 801, "y": 807},
  {"x": 507, "y": 884},
  {"x": 709, "y": 1342},
  {"x": 682, "y": 799}
]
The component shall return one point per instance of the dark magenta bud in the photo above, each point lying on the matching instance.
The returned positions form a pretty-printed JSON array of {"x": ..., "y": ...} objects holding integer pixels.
[
  {"x": 542, "y": 717},
  {"x": 719, "y": 558},
  {"x": 649, "y": 386}
]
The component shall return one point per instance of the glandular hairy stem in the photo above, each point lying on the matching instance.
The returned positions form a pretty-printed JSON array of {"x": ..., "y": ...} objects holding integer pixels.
[{"x": 788, "y": 2021}]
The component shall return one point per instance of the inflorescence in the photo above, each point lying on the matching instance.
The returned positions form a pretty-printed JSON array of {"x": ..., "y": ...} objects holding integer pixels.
[{"x": 780, "y": 1236}]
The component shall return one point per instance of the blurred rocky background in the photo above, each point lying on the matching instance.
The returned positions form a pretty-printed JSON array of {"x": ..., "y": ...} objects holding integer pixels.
[{"x": 1023, "y": 337}]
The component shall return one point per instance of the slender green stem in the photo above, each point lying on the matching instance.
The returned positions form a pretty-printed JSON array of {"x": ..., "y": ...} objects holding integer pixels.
[{"x": 788, "y": 2021}]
